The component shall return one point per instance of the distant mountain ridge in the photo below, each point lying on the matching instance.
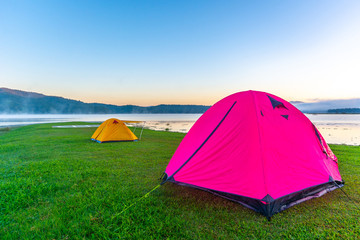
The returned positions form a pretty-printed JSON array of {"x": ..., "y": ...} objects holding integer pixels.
[
  {"x": 330, "y": 106},
  {"x": 21, "y": 93},
  {"x": 22, "y": 102}
]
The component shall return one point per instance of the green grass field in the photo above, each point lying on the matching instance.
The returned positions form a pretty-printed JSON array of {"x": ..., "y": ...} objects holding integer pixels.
[{"x": 57, "y": 184}]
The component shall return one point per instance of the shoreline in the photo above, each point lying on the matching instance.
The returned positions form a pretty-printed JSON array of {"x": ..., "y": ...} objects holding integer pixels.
[
  {"x": 334, "y": 133},
  {"x": 337, "y": 134}
]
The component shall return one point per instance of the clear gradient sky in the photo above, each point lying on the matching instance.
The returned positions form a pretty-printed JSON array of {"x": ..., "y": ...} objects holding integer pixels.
[{"x": 180, "y": 52}]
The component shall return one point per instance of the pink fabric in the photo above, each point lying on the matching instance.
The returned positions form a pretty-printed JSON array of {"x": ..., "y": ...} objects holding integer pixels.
[{"x": 255, "y": 150}]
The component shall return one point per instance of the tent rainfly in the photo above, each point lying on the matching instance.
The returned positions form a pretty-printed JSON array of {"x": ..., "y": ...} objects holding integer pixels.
[
  {"x": 256, "y": 149},
  {"x": 113, "y": 130}
]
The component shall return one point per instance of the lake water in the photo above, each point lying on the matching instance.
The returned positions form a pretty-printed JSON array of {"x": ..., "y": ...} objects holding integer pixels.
[{"x": 336, "y": 128}]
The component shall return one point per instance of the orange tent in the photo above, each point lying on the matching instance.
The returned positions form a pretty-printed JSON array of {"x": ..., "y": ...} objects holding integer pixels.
[{"x": 113, "y": 130}]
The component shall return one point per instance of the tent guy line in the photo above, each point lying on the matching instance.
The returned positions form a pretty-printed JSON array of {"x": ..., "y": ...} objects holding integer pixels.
[{"x": 252, "y": 148}]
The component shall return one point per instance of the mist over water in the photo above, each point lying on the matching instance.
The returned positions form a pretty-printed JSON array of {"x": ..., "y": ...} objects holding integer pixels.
[
  {"x": 7, "y": 120},
  {"x": 335, "y": 128}
]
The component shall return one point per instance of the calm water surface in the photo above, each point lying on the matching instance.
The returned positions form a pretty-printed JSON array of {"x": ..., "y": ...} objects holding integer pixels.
[{"x": 336, "y": 128}]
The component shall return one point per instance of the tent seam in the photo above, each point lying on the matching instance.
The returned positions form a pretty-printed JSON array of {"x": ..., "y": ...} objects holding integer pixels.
[
  {"x": 260, "y": 141},
  {"x": 317, "y": 133},
  {"x": 227, "y": 113}
]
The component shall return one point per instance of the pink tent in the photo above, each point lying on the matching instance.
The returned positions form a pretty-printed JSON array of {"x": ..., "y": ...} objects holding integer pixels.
[{"x": 258, "y": 150}]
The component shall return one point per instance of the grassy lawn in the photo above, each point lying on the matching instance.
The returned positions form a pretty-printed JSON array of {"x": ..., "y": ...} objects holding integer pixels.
[{"x": 57, "y": 184}]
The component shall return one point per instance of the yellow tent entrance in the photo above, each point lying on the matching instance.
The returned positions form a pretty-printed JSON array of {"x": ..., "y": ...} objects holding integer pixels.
[{"x": 114, "y": 130}]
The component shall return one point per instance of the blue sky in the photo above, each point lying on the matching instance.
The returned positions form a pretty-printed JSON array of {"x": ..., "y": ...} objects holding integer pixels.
[{"x": 180, "y": 52}]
